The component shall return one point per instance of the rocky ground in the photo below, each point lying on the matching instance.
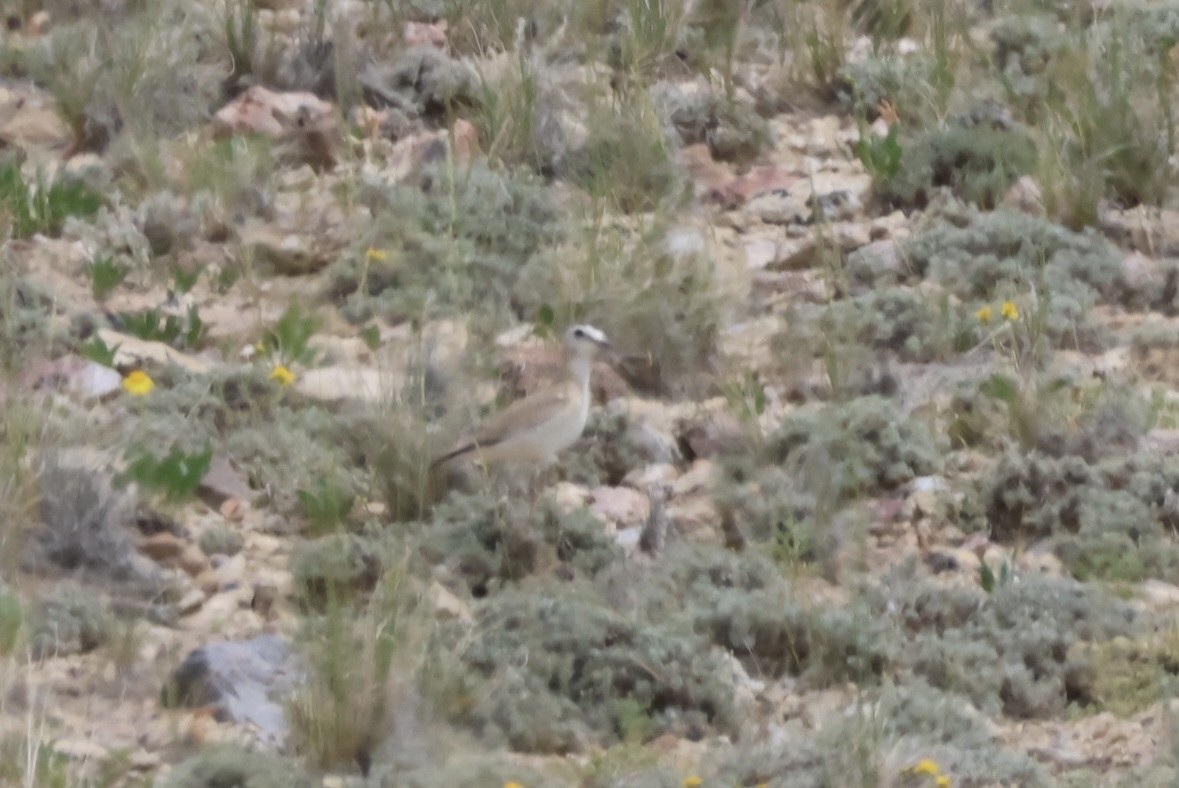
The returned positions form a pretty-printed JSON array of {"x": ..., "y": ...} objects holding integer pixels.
[{"x": 879, "y": 489}]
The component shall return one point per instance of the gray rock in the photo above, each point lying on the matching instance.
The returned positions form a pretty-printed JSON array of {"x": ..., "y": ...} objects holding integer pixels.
[{"x": 248, "y": 682}]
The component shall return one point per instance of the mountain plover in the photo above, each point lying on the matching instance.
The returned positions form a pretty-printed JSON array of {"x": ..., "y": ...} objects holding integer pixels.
[{"x": 537, "y": 428}]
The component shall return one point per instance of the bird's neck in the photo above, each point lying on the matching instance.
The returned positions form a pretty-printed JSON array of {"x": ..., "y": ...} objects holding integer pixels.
[{"x": 579, "y": 370}]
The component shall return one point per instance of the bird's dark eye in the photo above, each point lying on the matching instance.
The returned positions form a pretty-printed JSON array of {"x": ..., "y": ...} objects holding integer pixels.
[{"x": 577, "y": 332}]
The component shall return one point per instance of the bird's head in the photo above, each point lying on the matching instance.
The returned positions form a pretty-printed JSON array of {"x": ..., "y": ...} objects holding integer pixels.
[{"x": 585, "y": 340}]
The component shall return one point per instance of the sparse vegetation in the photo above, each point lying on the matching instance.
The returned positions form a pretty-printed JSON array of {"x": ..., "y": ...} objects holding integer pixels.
[{"x": 877, "y": 488}]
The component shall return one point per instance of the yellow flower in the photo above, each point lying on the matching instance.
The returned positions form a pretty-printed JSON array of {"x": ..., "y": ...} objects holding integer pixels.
[
  {"x": 924, "y": 766},
  {"x": 283, "y": 375},
  {"x": 138, "y": 383},
  {"x": 513, "y": 785},
  {"x": 984, "y": 315},
  {"x": 376, "y": 255},
  {"x": 692, "y": 782},
  {"x": 1009, "y": 311},
  {"x": 942, "y": 781}
]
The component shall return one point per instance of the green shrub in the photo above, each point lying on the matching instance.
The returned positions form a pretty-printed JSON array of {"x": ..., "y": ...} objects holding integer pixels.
[
  {"x": 460, "y": 245},
  {"x": 336, "y": 568},
  {"x": 995, "y": 256},
  {"x": 68, "y": 620},
  {"x": 912, "y": 325},
  {"x": 1105, "y": 519},
  {"x": 487, "y": 542},
  {"x": 43, "y": 206},
  {"x": 862, "y": 447},
  {"x": 221, "y": 540},
  {"x": 225, "y": 765},
  {"x": 732, "y": 130},
  {"x": 1013, "y": 650},
  {"x": 976, "y": 163},
  {"x": 560, "y": 673}
]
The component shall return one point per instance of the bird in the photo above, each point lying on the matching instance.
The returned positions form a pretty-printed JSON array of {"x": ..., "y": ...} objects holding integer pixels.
[{"x": 538, "y": 427}]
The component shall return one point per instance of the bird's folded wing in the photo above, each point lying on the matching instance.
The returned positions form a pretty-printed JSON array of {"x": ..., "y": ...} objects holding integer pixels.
[{"x": 526, "y": 414}]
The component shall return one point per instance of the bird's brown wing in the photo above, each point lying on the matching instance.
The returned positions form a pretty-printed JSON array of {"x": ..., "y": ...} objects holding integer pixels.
[{"x": 533, "y": 410}]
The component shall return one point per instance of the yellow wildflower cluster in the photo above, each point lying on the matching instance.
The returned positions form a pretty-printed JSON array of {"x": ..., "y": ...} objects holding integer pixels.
[
  {"x": 282, "y": 375},
  {"x": 927, "y": 768},
  {"x": 138, "y": 383},
  {"x": 1007, "y": 310}
]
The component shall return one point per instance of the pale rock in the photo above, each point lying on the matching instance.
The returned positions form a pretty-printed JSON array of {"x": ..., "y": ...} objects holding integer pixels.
[
  {"x": 259, "y": 110},
  {"x": 231, "y": 572},
  {"x": 433, "y": 34},
  {"x": 207, "y": 582},
  {"x": 695, "y": 517},
  {"x": 346, "y": 383},
  {"x": 80, "y": 749},
  {"x": 263, "y": 544},
  {"x": 134, "y": 352},
  {"x": 568, "y": 497},
  {"x": 996, "y": 556},
  {"x": 655, "y": 473},
  {"x": 846, "y": 238},
  {"x": 719, "y": 432},
  {"x": 141, "y": 760},
  {"x": 1040, "y": 561},
  {"x": 163, "y": 547},
  {"x": 621, "y": 506},
  {"x": 877, "y": 264},
  {"x": 760, "y": 253},
  {"x": 1158, "y": 596},
  {"x": 193, "y": 560},
  {"x": 222, "y": 610},
  {"x": 94, "y": 381},
  {"x": 191, "y": 602},
  {"x": 31, "y": 124},
  {"x": 1025, "y": 195},
  {"x": 288, "y": 253},
  {"x": 410, "y": 155},
  {"x": 759, "y": 180},
  {"x": 699, "y": 478},
  {"x": 447, "y": 606},
  {"x": 223, "y": 482},
  {"x": 629, "y": 539},
  {"x": 445, "y": 344}
]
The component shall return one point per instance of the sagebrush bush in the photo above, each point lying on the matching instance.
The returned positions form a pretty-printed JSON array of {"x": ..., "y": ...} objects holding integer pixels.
[
  {"x": 976, "y": 163},
  {"x": 231, "y": 765},
  {"x": 487, "y": 542},
  {"x": 1013, "y": 650},
  {"x": 861, "y": 447},
  {"x": 456, "y": 246},
  {"x": 560, "y": 672},
  {"x": 67, "y": 620},
  {"x": 732, "y": 130},
  {"x": 1105, "y": 519},
  {"x": 998, "y": 255}
]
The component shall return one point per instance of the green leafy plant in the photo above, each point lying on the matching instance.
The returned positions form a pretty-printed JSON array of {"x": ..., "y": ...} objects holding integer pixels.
[
  {"x": 371, "y": 336},
  {"x": 43, "y": 207},
  {"x": 176, "y": 476},
  {"x": 151, "y": 326},
  {"x": 326, "y": 505},
  {"x": 989, "y": 580},
  {"x": 11, "y": 620},
  {"x": 881, "y": 156},
  {"x": 183, "y": 281},
  {"x": 105, "y": 275},
  {"x": 99, "y": 352},
  {"x": 747, "y": 396},
  {"x": 289, "y": 338}
]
